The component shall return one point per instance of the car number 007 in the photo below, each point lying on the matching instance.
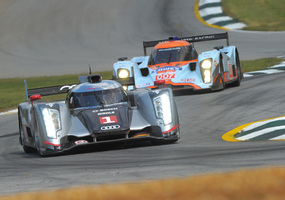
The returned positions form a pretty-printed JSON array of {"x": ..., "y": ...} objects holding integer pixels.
[{"x": 165, "y": 76}]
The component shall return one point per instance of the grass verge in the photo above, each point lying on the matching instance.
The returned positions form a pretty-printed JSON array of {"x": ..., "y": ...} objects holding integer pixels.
[
  {"x": 259, "y": 64},
  {"x": 12, "y": 91},
  {"x": 259, "y": 15},
  {"x": 254, "y": 184}
]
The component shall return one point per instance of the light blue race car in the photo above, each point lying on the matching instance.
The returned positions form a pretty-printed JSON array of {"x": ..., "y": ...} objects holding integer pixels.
[{"x": 176, "y": 64}]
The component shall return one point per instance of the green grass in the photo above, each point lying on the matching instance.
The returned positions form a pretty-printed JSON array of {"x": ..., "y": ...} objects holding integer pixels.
[
  {"x": 12, "y": 91},
  {"x": 259, "y": 64},
  {"x": 259, "y": 15}
]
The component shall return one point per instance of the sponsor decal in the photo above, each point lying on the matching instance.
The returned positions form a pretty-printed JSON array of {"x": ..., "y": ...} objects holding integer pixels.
[
  {"x": 165, "y": 76},
  {"x": 107, "y": 113},
  {"x": 228, "y": 76},
  {"x": 169, "y": 49},
  {"x": 108, "y": 119},
  {"x": 188, "y": 80},
  {"x": 92, "y": 88},
  {"x": 112, "y": 127},
  {"x": 230, "y": 69},
  {"x": 167, "y": 68},
  {"x": 69, "y": 87},
  {"x": 105, "y": 109},
  {"x": 199, "y": 38}
]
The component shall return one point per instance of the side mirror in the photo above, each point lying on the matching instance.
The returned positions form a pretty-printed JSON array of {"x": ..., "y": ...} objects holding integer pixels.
[
  {"x": 35, "y": 97},
  {"x": 122, "y": 58},
  {"x": 219, "y": 47}
]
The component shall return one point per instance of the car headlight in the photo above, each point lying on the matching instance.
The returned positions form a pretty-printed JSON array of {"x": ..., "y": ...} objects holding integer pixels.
[
  {"x": 206, "y": 64},
  {"x": 162, "y": 108},
  {"x": 123, "y": 73},
  {"x": 52, "y": 122},
  {"x": 206, "y": 70}
]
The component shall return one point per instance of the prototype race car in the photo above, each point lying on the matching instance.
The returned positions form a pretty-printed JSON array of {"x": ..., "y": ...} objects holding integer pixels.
[
  {"x": 96, "y": 111},
  {"x": 176, "y": 64}
]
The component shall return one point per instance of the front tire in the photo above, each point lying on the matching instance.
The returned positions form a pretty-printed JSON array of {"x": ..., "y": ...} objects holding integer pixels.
[
  {"x": 239, "y": 73},
  {"x": 37, "y": 139},
  {"x": 26, "y": 148},
  {"x": 38, "y": 145},
  {"x": 222, "y": 74}
]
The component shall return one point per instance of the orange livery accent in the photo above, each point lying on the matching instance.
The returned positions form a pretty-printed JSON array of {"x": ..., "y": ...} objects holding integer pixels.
[
  {"x": 171, "y": 44},
  {"x": 141, "y": 135},
  {"x": 168, "y": 82},
  {"x": 171, "y": 64}
]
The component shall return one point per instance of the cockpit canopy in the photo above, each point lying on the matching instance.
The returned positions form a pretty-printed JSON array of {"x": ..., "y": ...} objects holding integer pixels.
[
  {"x": 96, "y": 98},
  {"x": 172, "y": 54}
]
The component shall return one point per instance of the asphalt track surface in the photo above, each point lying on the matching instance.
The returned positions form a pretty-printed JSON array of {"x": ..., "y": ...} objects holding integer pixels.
[{"x": 64, "y": 36}]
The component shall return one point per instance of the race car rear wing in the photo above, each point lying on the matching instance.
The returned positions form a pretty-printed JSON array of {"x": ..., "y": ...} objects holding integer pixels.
[
  {"x": 47, "y": 91},
  {"x": 60, "y": 89},
  {"x": 191, "y": 39}
]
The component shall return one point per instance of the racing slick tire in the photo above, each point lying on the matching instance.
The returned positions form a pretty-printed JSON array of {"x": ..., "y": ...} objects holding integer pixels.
[
  {"x": 222, "y": 74},
  {"x": 237, "y": 82},
  {"x": 37, "y": 138},
  {"x": 26, "y": 148},
  {"x": 37, "y": 143}
]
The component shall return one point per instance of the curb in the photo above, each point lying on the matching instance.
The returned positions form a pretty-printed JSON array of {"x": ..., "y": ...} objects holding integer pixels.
[
  {"x": 9, "y": 112},
  {"x": 280, "y": 68},
  {"x": 268, "y": 129},
  {"x": 210, "y": 11}
]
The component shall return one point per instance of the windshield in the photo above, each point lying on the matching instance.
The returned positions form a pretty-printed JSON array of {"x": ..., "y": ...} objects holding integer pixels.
[
  {"x": 174, "y": 54},
  {"x": 98, "y": 98}
]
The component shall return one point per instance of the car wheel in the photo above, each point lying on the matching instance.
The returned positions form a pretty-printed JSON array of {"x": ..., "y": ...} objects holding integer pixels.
[
  {"x": 26, "y": 148},
  {"x": 222, "y": 74},
  {"x": 37, "y": 143},
  {"x": 237, "y": 82},
  {"x": 37, "y": 140}
]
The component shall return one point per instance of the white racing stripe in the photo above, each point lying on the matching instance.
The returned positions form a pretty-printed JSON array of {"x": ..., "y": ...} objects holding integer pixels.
[
  {"x": 238, "y": 25},
  {"x": 257, "y": 124},
  {"x": 280, "y": 137},
  {"x": 203, "y": 2},
  {"x": 282, "y": 64},
  {"x": 218, "y": 19},
  {"x": 261, "y": 132},
  {"x": 209, "y": 8},
  {"x": 210, "y": 11},
  {"x": 268, "y": 71}
]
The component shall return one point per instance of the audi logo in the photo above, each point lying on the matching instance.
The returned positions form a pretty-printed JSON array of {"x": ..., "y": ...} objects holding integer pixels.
[{"x": 113, "y": 127}]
